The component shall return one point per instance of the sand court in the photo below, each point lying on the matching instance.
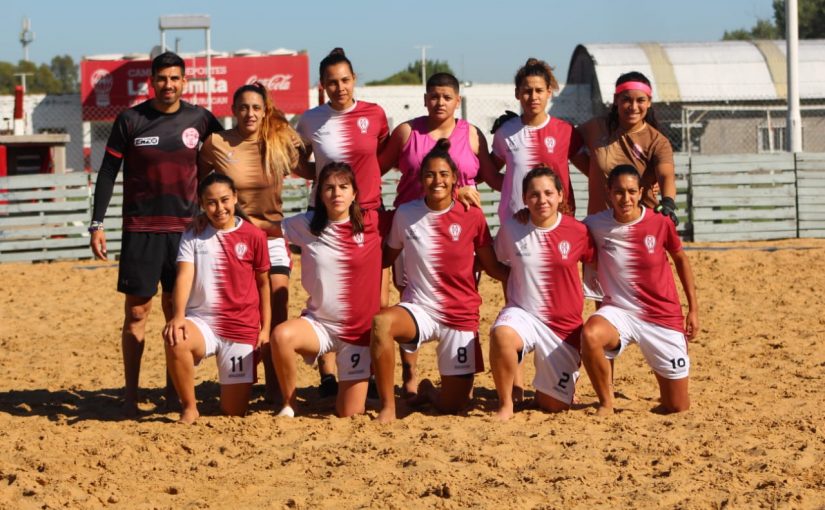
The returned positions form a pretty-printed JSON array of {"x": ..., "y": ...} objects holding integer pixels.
[{"x": 755, "y": 435}]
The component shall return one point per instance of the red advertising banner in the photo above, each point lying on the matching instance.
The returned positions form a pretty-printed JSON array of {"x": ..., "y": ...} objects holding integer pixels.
[{"x": 110, "y": 86}]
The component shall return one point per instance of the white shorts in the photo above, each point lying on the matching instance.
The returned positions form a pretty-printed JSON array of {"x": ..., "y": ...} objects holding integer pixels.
[
  {"x": 557, "y": 362},
  {"x": 280, "y": 261},
  {"x": 236, "y": 361},
  {"x": 590, "y": 282},
  {"x": 459, "y": 352},
  {"x": 664, "y": 349},
  {"x": 353, "y": 361}
]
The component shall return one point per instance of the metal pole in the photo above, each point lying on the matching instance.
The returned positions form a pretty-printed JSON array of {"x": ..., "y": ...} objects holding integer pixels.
[
  {"x": 162, "y": 40},
  {"x": 209, "y": 69},
  {"x": 794, "y": 124},
  {"x": 423, "y": 64}
]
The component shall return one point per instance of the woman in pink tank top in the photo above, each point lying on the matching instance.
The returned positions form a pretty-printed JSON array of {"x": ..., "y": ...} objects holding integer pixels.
[
  {"x": 412, "y": 140},
  {"x": 408, "y": 145}
]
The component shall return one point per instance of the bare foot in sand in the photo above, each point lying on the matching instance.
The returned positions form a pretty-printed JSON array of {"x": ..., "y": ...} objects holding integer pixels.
[
  {"x": 504, "y": 413},
  {"x": 604, "y": 411},
  {"x": 188, "y": 416},
  {"x": 386, "y": 415}
]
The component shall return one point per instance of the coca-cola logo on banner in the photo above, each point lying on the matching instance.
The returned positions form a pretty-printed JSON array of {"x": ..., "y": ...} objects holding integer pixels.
[{"x": 274, "y": 82}]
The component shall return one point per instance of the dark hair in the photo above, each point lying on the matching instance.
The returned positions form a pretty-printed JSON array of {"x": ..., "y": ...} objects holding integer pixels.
[
  {"x": 320, "y": 217},
  {"x": 442, "y": 80},
  {"x": 541, "y": 171},
  {"x": 276, "y": 138},
  {"x": 613, "y": 115},
  {"x": 336, "y": 56},
  {"x": 621, "y": 170},
  {"x": 440, "y": 151},
  {"x": 168, "y": 59},
  {"x": 536, "y": 67},
  {"x": 219, "y": 178}
]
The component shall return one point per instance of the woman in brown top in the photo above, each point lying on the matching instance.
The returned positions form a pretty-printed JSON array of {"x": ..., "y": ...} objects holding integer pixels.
[
  {"x": 258, "y": 153},
  {"x": 629, "y": 135}
]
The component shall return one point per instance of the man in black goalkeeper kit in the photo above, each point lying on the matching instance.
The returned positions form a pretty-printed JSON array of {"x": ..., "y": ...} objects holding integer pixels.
[{"x": 157, "y": 141}]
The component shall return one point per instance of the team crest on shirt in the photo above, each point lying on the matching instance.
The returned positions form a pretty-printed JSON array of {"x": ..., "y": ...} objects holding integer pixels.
[
  {"x": 650, "y": 243},
  {"x": 564, "y": 249},
  {"x": 363, "y": 124},
  {"x": 455, "y": 231},
  {"x": 550, "y": 143},
  {"x": 190, "y": 137},
  {"x": 240, "y": 250},
  {"x": 358, "y": 238}
]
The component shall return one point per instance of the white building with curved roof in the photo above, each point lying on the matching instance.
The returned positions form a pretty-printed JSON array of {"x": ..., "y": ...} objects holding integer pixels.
[{"x": 714, "y": 97}]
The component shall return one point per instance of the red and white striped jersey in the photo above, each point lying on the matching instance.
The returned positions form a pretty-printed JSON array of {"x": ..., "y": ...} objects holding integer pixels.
[
  {"x": 634, "y": 270},
  {"x": 544, "y": 276},
  {"x": 341, "y": 272},
  {"x": 439, "y": 251},
  {"x": 352, "y": 136},
  {"x": 225, "y": 292},
  {"x": 523, "y": 147}
]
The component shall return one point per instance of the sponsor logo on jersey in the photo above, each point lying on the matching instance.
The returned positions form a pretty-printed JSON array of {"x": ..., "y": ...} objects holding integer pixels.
[
  {"x": 358, "y": 238},
  {"x": 363, "y": 124},
  {"x": 412, "y": 232},
  {"x": 190, "y": 137},
  {"x": 564, "y": 249},
  {"x": 147, "y": 140},
  {"x": 650, "y": 243},
  {"x": 609, "y": 246},
  {"x": 521, "y": 248},
  {"x": 550, "y": 143},
  {"x": 240, "y": 250}
]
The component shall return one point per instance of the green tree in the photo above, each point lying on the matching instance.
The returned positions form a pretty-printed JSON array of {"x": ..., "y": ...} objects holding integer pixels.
[
  {"x": 7, "y": 78},
  {"x": 811, "y": 23},
  {"x": 412, "y": 74},
  {"x": 65, "y": 72}
]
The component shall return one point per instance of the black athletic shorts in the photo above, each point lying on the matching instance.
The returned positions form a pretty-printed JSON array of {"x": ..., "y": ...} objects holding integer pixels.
[{"x": 145, "y": 259}]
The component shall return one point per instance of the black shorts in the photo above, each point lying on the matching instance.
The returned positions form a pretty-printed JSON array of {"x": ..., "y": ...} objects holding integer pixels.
[{"x": 145, "y": 259}]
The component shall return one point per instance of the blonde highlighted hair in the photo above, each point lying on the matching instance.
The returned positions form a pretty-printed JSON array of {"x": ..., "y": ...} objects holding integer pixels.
[{"x": 277, "y": 138}]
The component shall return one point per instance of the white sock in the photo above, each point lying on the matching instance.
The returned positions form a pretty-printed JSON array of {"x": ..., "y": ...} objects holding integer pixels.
[{"x": 288, "y": 412}]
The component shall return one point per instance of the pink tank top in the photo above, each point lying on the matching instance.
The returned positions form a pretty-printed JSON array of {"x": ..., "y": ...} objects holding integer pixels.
[{"x": 419, "y": 144}]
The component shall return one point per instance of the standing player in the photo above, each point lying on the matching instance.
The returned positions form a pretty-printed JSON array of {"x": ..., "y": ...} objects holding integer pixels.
[
  {"x": 408, "y": 145},
  {"x": 641, "y": 304},
  {"x": 258, "y": 153},
  {"x": 340, "y": 270},
  {"x": 353, "y": 132},
  {"x": 157, "y": 141},
  {"x": 544, "y": 296},
  {"x": 535, "y": 138},
  {"x": 629, "y": 135},
  {"x": 440, "y": 302},
  {"x": 221, "y": 300}
]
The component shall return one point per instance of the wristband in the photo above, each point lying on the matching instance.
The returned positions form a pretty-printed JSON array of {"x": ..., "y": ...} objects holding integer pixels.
[{"x": 95, "y": 226}]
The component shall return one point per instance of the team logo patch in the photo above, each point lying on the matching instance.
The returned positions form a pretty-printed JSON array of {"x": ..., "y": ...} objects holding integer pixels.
[
  {"x": 147, "y": 140},
  {"x": 564, "y": 249},
  {"x": 650, "y": 243},
  {"x": 550, "y": 143},
  {"x": 455, "y": 231},
  {"x": 190, "y": 137},
  {"x": 363, "y": 124},
  {"x": 358, "y": 238},
  {"x": 240, "y": 250}
]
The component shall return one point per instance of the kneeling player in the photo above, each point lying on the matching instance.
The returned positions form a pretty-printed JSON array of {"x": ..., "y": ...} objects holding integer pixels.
[
  {"x": 544, "y": 296},
  {"x": 440, "y": 302},
  {"x": 641, "y": 304}
]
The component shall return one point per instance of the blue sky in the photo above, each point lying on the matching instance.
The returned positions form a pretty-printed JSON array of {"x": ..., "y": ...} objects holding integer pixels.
[{"x": 484, "y": 41}]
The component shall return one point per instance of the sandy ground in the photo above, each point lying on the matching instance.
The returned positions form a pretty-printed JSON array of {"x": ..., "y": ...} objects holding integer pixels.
[{"x": 754, "y": 438}]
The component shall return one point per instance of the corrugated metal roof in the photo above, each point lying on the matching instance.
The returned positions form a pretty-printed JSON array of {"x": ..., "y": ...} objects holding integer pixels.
[{"x": 714, "y": 71}]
